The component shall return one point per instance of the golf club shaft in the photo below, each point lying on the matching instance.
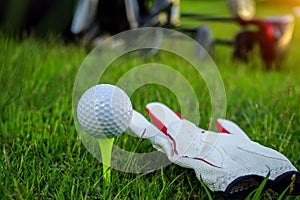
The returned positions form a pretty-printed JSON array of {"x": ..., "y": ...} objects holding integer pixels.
[{"x": 203, "y": 17}]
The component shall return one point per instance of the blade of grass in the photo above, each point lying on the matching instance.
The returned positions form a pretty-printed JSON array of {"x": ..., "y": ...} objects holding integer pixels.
[
  {"x": 257, "y": 192},
  {"x": 206, "y": 190}
]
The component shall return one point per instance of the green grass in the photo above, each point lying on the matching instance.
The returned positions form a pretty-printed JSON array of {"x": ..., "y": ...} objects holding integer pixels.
[{"x": 41, "y": 156}]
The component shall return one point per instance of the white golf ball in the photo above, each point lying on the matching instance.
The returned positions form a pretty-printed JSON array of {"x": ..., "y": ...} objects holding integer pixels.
[{"x": 104, "y": 111}]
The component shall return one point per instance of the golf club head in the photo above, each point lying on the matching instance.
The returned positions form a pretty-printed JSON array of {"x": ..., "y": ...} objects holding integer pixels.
[
  {"x": 83, "y": 16},
  {"x": 242, "y": 9}
]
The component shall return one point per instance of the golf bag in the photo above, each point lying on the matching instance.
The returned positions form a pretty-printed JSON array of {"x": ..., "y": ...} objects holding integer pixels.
[{"x": 96, "y": 18}]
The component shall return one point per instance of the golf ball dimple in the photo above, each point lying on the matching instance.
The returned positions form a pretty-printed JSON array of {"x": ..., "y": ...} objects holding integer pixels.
[{"x": 104, "y": 111}]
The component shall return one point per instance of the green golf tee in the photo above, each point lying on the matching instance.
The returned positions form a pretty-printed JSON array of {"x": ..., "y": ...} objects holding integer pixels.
[{"x": 106, "y": 150}]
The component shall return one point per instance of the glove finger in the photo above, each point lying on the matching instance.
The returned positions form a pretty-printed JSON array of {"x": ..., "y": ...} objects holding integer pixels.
[
  {"x": 183, "y": 134},
  {"x": 162, "y": 116},
  {"x": 226, "y": 126},
  {"x": 142, "y": 127}
]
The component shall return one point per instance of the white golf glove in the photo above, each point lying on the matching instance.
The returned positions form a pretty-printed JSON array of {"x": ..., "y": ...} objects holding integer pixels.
[{"x": 226, "y": 161}]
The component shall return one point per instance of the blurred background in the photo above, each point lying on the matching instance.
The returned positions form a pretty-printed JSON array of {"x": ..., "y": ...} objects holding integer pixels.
[{"x": 44, "y": 16}]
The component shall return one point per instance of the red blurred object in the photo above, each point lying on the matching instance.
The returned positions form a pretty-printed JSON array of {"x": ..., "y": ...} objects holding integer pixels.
[{"x": 274, "y": 35}]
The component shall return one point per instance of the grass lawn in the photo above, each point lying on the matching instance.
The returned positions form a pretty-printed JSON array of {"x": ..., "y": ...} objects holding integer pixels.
[{"x": 42, "y": 157}]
